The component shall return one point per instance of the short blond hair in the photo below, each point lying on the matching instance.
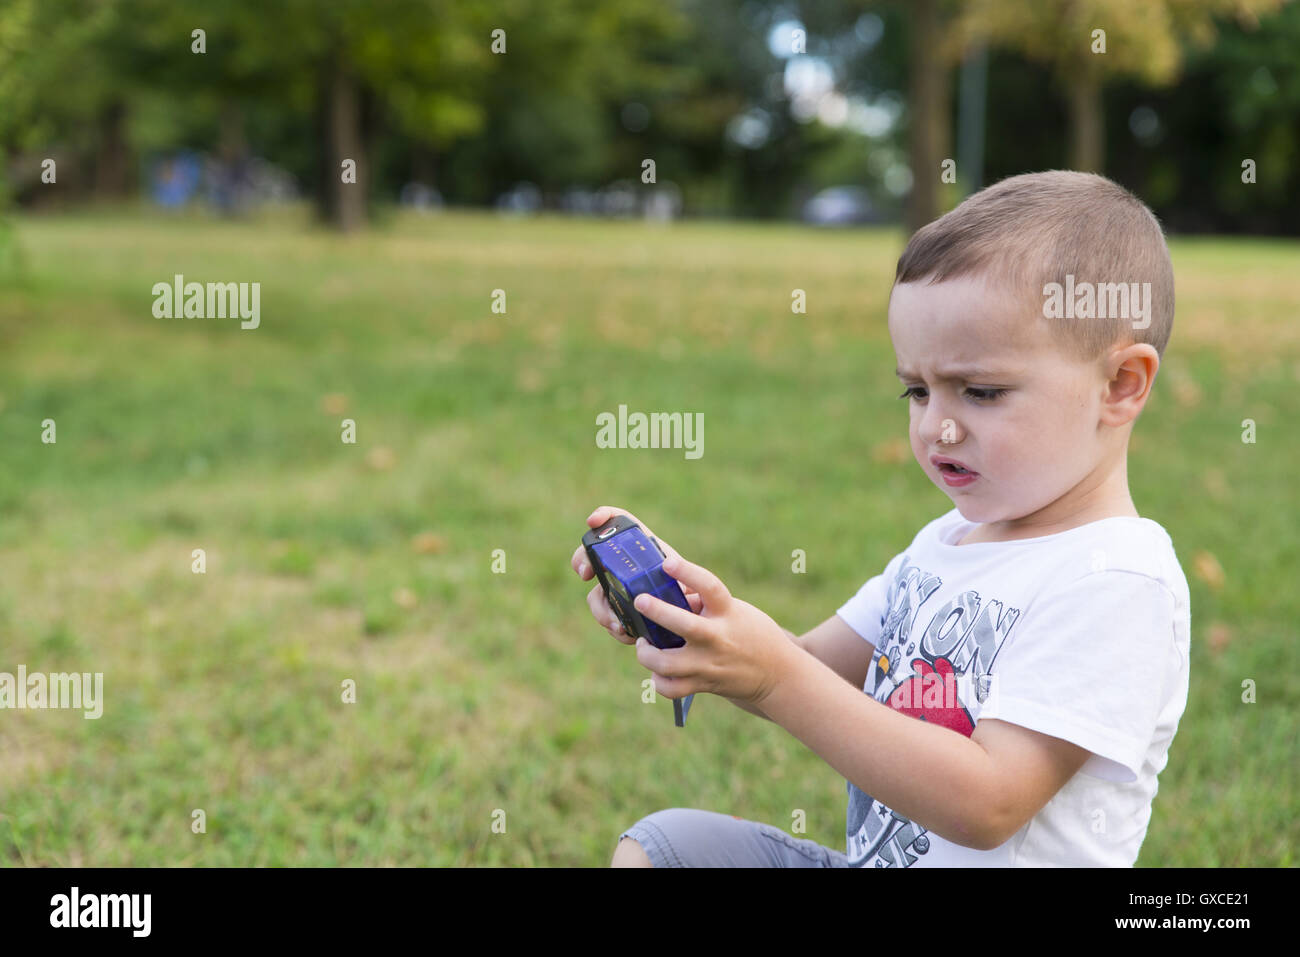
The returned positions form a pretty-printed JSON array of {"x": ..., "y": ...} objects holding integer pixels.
[{"x": 1027, "y": 231}]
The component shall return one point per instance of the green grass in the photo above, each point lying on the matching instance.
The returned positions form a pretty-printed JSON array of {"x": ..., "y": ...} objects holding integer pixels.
[{"x": 479, "y": 691}]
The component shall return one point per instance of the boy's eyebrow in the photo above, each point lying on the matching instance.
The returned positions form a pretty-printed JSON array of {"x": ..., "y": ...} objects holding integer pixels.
[{"x": 966, "y": 374}]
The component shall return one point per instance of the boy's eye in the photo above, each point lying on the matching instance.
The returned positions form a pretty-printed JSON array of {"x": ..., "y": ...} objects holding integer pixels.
[{"x": 983, "y": 395}]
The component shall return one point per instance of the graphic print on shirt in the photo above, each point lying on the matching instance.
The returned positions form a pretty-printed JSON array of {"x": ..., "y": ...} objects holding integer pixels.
[{"x": 929, "y": 676}]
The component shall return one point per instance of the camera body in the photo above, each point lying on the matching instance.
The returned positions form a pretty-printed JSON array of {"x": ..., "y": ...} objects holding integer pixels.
[{"x": 628, "y": 562}]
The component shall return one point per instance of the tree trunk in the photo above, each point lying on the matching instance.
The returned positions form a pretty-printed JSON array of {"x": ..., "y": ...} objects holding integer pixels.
[
  {"x": 1087, "y": 146},
  {"x": 344, "y": 202},
  {"x": 942, "y": 133},
  {"x": 232, "y": 145},
  {"x": 970, "y": 123},
  {"x": 925, "y": 79},
  {"x": 112, "y": 161},
  {"x": 424, "y": 166}
]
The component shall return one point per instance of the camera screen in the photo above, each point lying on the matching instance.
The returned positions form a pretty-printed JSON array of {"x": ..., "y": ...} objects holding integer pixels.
[{"x": 617, "y": 586}]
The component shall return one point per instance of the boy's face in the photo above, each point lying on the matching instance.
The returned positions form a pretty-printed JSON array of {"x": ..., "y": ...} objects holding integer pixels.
[{"x": 1036, "y": 445}]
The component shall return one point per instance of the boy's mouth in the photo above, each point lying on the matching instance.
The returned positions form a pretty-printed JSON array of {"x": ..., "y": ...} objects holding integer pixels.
[
  {"x": 953, "y": 473},
  {"x": 950, "y": 466}
]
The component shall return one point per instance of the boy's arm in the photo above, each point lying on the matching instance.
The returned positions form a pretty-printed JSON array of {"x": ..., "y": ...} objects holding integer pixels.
[
  {"x": 746, "y": 706},
  {"x": 836, "y": 645},
  {"x": 975, "y": 791}
]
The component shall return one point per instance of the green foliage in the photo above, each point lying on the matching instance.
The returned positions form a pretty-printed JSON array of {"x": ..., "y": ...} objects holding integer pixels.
[
  {"x": 1142, "y": 39},
  {"x": 437, "y": 105}
]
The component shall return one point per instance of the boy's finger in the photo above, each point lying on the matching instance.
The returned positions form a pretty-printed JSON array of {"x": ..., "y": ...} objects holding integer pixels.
[
  {"x": 603, "y": 514},
  {"x": 709, "y": 585},
  {"x": 671, "y": 687},
  {"x": 668, "y": 665},
  {"x": 677, "y": 620},
  {"x": 600, "y": 609}
]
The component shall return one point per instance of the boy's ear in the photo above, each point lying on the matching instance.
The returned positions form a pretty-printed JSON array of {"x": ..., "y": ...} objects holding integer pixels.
[{"x": 1131, "y": 372}]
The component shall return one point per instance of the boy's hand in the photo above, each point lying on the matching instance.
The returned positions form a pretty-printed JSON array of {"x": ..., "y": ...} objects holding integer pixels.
[
  {"x": 732, "y": 648},
  {"x": 596, "y": 600}
]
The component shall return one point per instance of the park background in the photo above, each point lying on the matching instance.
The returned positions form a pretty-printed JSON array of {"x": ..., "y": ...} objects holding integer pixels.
[{"x": 795, "y": 146}]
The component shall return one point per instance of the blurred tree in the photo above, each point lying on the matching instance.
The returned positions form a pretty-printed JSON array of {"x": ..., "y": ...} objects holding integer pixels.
[
  {"x": 916, "y": 55},
  {"x": 63, "y": 89},
  {"x": 553, "y": 112},
  {"x": 585, "y": 91},
  {"x": 425, "y": 61},
  {"x": 927, "y": 84},
  {"x": 424, "y": 70},
  {"x": 1183, "y": 147},
  {"x": 695, "y": 87},
  {"x": 1088, "y": 41}
]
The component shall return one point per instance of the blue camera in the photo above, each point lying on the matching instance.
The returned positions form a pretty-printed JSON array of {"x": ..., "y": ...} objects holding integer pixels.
[{"x": 628, "y": 562}]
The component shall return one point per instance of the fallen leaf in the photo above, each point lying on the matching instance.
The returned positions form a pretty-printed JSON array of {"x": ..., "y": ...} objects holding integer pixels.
[
  {"x": 529, "y": 380},
  {"x": 1208, "y": 569},
  {"x": 891, "y": 451},
  {"x": 1187, "y": 392},
  {"x": 1216, "y": 484},
  {"x": 336, "y": 403},
  {"x": 381, "y": 458},
  {"x": 1218, "y": 637},
  {"x": 428, "y": 543}
]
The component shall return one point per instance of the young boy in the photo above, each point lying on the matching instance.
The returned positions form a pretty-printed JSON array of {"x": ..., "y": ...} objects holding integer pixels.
[{"x": 1039, "y": 630}]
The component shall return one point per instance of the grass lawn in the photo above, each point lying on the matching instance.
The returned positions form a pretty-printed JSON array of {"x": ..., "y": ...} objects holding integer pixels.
[{"x": 480, "y": 692}]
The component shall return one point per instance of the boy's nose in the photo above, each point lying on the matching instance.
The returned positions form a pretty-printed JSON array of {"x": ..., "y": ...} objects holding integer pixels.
[{"x": 939, "y": 427}]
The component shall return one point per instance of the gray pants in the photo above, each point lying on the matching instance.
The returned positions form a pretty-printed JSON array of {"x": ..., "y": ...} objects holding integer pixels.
[{"x": 688, "y": 837}]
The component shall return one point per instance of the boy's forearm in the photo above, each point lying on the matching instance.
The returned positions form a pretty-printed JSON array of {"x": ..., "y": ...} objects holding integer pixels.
[
  {"x": 746, "y": 706},
  {"x": 933, "y": 775}
]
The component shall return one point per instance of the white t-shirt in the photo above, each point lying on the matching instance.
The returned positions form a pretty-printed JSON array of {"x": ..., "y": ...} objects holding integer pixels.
[{"x": 1082, "y": 635}]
